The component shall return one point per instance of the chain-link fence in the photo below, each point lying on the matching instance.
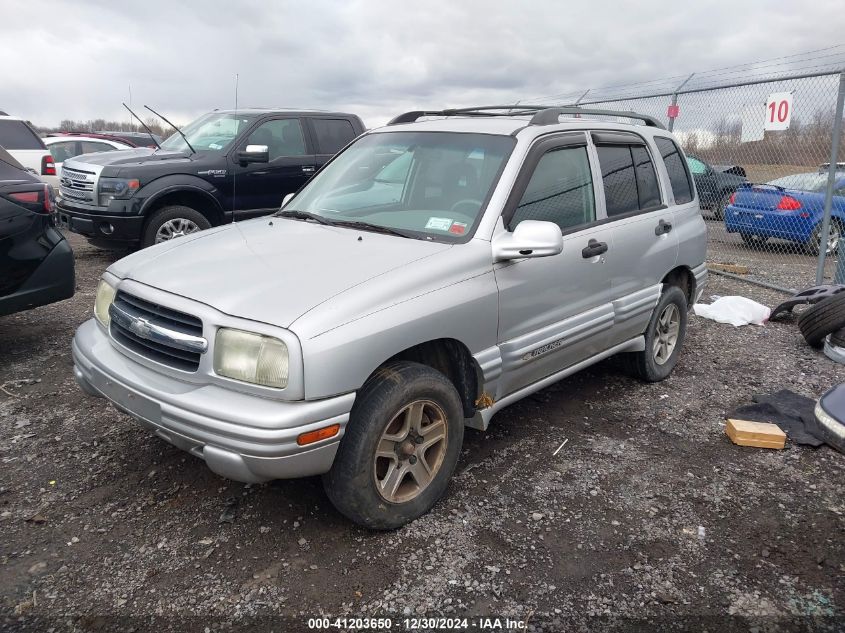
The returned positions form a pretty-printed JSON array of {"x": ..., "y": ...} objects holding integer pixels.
[{"x": 760, "y": 152}]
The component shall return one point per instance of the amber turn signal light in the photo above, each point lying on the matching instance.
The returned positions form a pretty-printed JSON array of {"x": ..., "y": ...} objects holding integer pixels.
[{"x": 320, "y": 434}]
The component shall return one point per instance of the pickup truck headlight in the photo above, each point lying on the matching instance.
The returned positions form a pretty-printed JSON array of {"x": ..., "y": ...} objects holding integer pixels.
[
  {"x": 105, "y": 297},
  {"x": 255, "y": 358},
  {"x": 116, "y": 188}
]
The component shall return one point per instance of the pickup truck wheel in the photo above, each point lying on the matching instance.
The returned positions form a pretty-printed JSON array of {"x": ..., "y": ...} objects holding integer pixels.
[
  {"x": 171, "y": 222},
  {"x": 664, "y": 338},
  {"x": 400, "y": 447}
]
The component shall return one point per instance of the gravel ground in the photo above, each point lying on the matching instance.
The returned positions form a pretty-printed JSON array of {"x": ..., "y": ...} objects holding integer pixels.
[{"x": 647, "y": 517}]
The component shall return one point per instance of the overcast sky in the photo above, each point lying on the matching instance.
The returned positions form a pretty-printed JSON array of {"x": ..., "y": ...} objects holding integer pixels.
[{"x": 77, "y": 59}]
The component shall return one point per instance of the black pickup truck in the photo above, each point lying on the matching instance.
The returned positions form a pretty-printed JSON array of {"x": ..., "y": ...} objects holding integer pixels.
[{"x": 225, "y": 166}]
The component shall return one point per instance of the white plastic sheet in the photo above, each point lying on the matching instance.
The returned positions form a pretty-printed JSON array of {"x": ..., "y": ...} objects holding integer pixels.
[{"x": 734, "y": 310}]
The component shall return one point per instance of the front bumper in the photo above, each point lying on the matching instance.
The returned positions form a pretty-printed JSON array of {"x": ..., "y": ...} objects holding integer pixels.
[
  {"x": 240, "y": 436},
  {"x": 108, "y": 225}
]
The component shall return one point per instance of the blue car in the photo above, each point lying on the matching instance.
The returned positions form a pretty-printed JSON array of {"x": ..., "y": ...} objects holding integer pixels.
[{"x": 789, "y": 208}]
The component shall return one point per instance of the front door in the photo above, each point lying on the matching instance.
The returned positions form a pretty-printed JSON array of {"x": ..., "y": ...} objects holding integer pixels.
[
  {"x": 261, "y": 187},
  {"x": 555, "y": 311}
]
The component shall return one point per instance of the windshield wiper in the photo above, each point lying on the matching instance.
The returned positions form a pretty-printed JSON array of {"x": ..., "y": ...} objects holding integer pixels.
[
  {"x": 184, "y": 138},
  {"x": 375, "y": 228},
  {"x": 303, "y": 215},
  {"x": 146, "y": 127}
]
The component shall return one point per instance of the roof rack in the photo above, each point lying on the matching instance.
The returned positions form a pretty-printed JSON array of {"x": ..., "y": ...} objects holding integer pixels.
[{"x": 540, "y": 114}]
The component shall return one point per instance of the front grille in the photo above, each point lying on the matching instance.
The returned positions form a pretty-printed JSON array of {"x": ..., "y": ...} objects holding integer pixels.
[
  {"x": 77, "y": 184},
  {"x": 166, "y": 336}
]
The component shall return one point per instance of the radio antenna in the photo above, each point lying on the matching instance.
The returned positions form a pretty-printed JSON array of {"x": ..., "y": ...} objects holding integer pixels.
[{"x": 235, "y": 172}]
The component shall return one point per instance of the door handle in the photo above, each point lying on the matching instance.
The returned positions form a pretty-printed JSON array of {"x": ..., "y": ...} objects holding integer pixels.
[
  {"x": 593, "y": 249},
  {"x": 308, "y": 170},
  {"x": 662, "y": 227}
]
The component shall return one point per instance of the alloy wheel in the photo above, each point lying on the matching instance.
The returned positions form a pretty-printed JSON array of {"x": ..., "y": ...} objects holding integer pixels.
[
  {"x": 177, "y": 227},
  {"x": 666, "y": 333},
  {"x": 410, "y": 451}
]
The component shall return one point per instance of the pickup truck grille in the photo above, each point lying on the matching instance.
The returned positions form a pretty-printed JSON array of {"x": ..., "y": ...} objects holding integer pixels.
[
  {"x": 78, "y": 185},
  {"x": 166, "y": 336}
]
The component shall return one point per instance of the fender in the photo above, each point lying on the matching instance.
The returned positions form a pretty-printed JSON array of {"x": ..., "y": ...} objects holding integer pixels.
[{"x": 155, "y": 190}]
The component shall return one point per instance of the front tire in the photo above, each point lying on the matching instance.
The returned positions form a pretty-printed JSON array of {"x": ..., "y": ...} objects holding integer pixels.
[
  {"x": 814, "y": 244},
  {"x": 400, "y": 447},
  {"x": 171, "y": 222},
  {"x": 664, "y": 338}
]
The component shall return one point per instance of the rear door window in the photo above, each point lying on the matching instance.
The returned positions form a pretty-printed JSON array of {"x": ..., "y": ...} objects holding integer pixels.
[
  {"x": 18, "y": 135},
  {"x": 630, "y": 183},
  {"x": 332, "y": 134},
  {"x": 676, "y": 166}
]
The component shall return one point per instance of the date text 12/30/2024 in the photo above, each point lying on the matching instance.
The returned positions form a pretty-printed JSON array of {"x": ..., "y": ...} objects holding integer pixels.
[{"x": 418, "y": 624}]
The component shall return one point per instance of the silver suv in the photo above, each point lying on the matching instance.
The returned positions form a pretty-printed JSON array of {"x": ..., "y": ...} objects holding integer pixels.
[{"x": 434, "y": 272}]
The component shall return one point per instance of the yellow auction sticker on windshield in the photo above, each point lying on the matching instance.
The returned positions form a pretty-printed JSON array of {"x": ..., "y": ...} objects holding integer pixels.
[{"x": 439, "y": 224}]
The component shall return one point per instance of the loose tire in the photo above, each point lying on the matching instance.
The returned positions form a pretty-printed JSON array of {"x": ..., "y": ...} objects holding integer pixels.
[
  {"x": 664, "y": 338},
  {"x": 837, "y": 338},
  {"x": 400, "y": 447},
  {"x": 813, "y": 245},
  {"x": 821, "y": 319},
  {"x": 171, "y": 222}
]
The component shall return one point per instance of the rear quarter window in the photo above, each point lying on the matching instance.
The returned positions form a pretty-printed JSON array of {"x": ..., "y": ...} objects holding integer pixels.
[
  {"x": 676, "y": 166},
  {"x": 18, "y": 135},
  {"x": 332, "y": 134}
]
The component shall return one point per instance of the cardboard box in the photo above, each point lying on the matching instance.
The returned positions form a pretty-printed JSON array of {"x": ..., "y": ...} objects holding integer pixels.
[{"x": 759, "y": 434}]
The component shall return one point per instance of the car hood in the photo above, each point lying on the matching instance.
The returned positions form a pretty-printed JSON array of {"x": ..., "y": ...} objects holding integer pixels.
[
  {"x": 121, "y": 157},
  {"x": 271, "y": 270}
]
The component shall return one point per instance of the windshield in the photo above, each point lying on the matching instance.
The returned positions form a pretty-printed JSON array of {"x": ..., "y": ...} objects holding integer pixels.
[
  {"x": 425, "y": 184},
  {"x": 802, "y": 182},
  {"x": 213, "y": 131}
]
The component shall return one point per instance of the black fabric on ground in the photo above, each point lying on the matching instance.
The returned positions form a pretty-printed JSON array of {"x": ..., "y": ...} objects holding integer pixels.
[{"x": 792, "y": 412}]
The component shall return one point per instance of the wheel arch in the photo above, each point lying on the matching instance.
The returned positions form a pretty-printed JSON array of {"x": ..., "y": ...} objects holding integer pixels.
[
  {"x": 451, "y": 358},
  {"x": 186, "y": 195},
  {"x": 681, "y": 277}
]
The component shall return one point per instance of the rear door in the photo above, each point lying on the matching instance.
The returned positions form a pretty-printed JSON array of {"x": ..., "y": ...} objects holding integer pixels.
[
  {"x": 329, "y": 136},
  {"x": 260, "y": 187},
  {"x": 645, "y": 242},
  {"x": 555, "y": 311}
]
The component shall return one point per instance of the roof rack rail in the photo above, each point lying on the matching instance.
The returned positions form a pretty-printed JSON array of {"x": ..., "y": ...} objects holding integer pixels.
[{"x": 541, "y": 114}]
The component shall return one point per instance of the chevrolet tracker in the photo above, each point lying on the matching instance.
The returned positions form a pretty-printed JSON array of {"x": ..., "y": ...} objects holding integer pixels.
[{"x": 435, "y": 271}]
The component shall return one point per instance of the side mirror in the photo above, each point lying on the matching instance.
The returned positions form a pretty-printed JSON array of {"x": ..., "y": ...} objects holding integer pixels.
[
  {"x": 531, "y": 238},
  {"x": 287, "y": 199},
  {"x": 254, "y": 154}
]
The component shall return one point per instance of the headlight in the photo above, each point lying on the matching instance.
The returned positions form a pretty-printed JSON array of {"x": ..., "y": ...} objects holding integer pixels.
[
  {"x": 105, "y": 297},
  {"x": 112, "y": 188},
  {"x": 262, "y": 360}
]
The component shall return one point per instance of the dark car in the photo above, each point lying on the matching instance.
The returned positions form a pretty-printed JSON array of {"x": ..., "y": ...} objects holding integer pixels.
[
  {"x": 135, "y": 139},
  {"x": 715, "y": 184},
  {"x": 230, "y": 165},
  {"x": 36, "y": 261}
]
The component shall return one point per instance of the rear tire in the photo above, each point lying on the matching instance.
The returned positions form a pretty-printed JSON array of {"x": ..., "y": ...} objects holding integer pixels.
[
  {"x": 821, "y": 319},
  {"x": 171, "y": 222},
  {"x": 720, "y": 205},
  {"x": 400, "y": 447},
  {"x": 813, "y": 245},
  {"x": 664, "y": 338},
  {"x": 754, "y": 240}
]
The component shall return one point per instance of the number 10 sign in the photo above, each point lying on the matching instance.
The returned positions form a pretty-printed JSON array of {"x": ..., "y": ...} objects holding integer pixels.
[{"x": 778, "y": 111}]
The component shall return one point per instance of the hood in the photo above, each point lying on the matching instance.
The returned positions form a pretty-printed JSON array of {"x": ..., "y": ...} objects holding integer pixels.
[
  {"x": 121, "y": 157},
  {"x": 271, "y": 270}
]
